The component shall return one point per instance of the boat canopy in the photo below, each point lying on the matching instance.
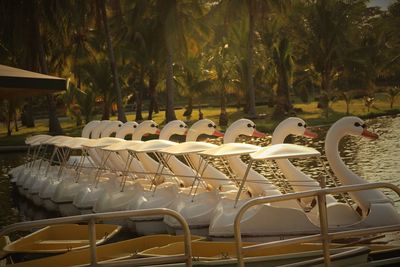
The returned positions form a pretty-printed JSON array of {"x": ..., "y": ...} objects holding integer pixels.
[
  {"x": 31, "y": 139},
  {"x": 152, "y": 146},
  {"x": 280, "y": 151},
  {"x": 231, "y": 149},
  {"x": 101, "y": 142},
  {"x": 75, "y": 143},
  {"x": 123, "y": 145},
  {"x": 188, "y": 147}
]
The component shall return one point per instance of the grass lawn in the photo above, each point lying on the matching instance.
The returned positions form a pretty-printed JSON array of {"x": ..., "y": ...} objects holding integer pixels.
[{"x": 310, "y": 113}]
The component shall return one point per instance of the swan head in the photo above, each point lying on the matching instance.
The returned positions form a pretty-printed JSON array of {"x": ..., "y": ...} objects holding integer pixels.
[
  {"x": 173, "y": 127},
  {"x": 353, "y": 126},
  {"x": 204, "y": 126},
  {"x": 126, "y": 129},
  {"x": 96, "y": 133},
  {"x": 294, "y": 126},
  {"x": 145, "y": 128},
  {"x": 241, "y": 127},
  {"x": 110, "y": 128},
  {"x": 88, "y": 129}
]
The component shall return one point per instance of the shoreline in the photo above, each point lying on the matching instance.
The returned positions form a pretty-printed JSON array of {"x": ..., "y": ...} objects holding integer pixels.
[{"x": 329, "y": 121}]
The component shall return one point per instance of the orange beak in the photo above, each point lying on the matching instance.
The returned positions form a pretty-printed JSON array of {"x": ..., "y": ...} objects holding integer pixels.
[
  {"x": 218, "y": 134},
  {"x": 158, "y": 131},
  {"x": 258, "y": 134},
  {"x": 310, "y": 134},
  {"x": 369, "y": 135}
]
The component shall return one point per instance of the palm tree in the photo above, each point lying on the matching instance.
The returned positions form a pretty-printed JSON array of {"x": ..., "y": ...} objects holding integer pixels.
[
  {"x": 102, "y": 11},
  {"x": 328, "y": 25},
  {"x": 97, "y": 79},
  {"x": 222, "y": 67},
  {"x": 26, "y": 25},
  {"x": 252, "y": 14},
  {"x": 283, "y": 59},
  {"x": 179, "y": 27}
]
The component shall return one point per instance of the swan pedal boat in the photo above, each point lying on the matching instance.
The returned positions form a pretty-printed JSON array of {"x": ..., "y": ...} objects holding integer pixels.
[{"x": 60, "y": 238}]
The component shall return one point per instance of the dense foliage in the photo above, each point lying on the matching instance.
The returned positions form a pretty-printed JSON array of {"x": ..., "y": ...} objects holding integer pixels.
[{"x": 153, "y": 54}]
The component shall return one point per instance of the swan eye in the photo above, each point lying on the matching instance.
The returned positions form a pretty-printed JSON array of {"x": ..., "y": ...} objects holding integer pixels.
[
  {"x": 134, "y": 126},
  {"x": 251, "y": 126},
  {"x": 119, "y": 125},
  {"x": 210, "y": 125},
  {"x": 181, "y": 126},
  {"x": 153, "y": 126},
  {"x": 357, "y": 124},
  {"x": 300, "y": 124}
]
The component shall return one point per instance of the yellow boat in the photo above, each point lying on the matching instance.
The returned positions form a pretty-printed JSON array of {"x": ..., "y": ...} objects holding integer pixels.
[
  {"x": 60, "y": 238},
  {"x": 126, "y": 249},
  {"x": 207, "y": 253},
  {"x": 210, "y": 253}
]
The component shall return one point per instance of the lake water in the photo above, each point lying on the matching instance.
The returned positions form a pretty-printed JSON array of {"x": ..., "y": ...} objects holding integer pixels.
[{"x": 377, "y": 160}]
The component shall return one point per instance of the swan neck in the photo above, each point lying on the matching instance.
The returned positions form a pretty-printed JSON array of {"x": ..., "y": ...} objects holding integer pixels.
[
  {"x": 278, "y": 136},
  {"x": 192, "y": 135},
  {"x": 165, "y": 135},
  {"x": 138, "y": 134}
]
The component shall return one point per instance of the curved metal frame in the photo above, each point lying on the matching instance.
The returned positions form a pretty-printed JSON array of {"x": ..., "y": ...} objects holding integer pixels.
[
  {"x": 324, "y": 236},
  {"x": 93, "y": 218}
]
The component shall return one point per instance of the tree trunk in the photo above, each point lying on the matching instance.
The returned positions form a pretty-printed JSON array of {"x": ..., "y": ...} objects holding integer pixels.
[
  {"x": 251, "y": 102},
  {"x": 325, "y": 92},
  {"x": 106, "y": 108},
  {"x": 120, "y": 108},
  {"x": 28, "y": 113},
  {"x": 283, "y": 105},
  {"x": 223, "y": 116},
  {"x": 153, "y": 106},
  {"x": 169, "y": 111},
  {"x": 201, "y": 115},
  {"x": 9, "y": 118},
  {"x": 54, "y": 123},
  {"x": 189, "y": 109},
  {"x": 15, "y": 120},
  {"x": 139, "y": 98}
]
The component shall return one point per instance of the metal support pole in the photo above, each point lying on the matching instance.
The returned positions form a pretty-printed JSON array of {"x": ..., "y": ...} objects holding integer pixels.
[
  {"x": 323, "y": 217},
  {"x": 92, "y": 241},
  {"x": 243, "y": 182}
]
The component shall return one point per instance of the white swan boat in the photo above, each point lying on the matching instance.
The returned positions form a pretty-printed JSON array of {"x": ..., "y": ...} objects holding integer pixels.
[
  {"x": 69, "y": 169},
  {"x": 120, "y": 200},
  {"x": 199, "y": 216},
  {"x": 89, "y": 195},
  {"x": 279, "y": 222}
]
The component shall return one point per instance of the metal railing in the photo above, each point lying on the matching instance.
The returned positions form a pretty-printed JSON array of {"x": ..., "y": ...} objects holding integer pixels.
[
  {"x": 93, "y": 218},
  {"x": 325, "y": 236}
]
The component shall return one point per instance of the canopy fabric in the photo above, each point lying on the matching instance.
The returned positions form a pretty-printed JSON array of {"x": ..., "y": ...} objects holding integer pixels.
[{"x": 21, "y": 83}]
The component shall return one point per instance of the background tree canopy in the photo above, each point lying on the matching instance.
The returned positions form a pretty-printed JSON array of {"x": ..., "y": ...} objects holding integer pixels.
[{"x": 158, "y": 54}]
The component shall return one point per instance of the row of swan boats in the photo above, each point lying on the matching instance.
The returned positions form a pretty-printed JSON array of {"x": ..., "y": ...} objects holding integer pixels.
[{"x": 113, "y": 174}]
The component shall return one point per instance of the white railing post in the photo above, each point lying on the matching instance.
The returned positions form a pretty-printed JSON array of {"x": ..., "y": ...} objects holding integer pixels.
[
  {"x": 323, "y": 219},
  {"x": 92, "y": 241}
]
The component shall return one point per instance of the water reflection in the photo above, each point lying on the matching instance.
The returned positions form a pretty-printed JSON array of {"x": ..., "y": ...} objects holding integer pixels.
[{"x": 374, "y": 160}]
